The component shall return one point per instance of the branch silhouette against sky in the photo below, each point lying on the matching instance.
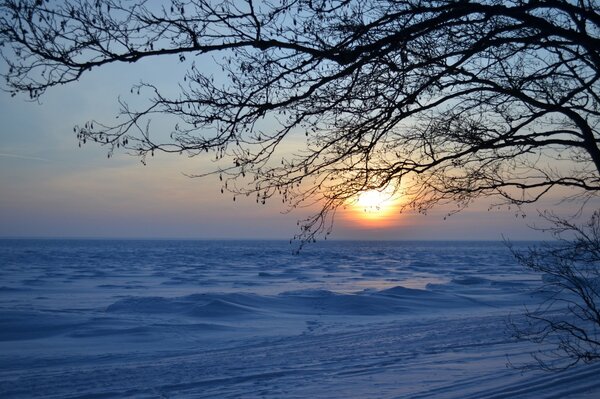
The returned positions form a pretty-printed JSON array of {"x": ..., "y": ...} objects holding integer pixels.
[{"x": 443, "y": 101}]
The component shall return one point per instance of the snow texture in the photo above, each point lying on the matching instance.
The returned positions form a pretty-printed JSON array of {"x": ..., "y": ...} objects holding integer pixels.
[{"x": 226, "y": 319}]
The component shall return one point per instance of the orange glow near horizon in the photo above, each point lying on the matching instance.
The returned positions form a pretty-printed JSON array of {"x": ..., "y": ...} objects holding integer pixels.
[{"x": 375, "y": 207}]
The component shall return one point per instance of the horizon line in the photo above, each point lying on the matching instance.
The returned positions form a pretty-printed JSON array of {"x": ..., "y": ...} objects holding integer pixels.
[{"x": 117, "y": 238}]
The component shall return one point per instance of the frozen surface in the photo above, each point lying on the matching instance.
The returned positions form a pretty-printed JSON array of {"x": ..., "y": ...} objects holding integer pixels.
[{"x": 226, "y": 319}]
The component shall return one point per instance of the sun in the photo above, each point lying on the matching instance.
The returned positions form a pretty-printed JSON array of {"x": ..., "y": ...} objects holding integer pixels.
[{"x": 375, "y": 204}]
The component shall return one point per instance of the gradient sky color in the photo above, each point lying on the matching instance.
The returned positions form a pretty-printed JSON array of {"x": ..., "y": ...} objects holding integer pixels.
[{"x": 51, "y": 188}]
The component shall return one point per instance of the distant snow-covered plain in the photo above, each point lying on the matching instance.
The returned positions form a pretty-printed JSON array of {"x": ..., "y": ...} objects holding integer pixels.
[{"x": 247, "y": 319}]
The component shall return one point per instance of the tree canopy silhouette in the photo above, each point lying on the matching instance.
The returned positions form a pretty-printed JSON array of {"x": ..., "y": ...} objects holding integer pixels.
[{"x": 449, "y": 100}]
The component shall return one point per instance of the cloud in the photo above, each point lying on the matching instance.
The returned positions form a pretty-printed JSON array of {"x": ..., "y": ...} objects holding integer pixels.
[{"x": 18, "y": 156}]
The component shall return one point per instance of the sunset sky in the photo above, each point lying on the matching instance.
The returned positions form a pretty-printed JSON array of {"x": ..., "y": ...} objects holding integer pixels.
[{"x": 51, "y": 188}]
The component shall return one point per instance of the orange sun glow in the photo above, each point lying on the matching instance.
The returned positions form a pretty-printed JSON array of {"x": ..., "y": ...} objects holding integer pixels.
[{"x": 375, "y": 205}]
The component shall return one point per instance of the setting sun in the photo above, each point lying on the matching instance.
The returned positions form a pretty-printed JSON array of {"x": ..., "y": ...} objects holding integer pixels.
[{"x": 375, "y": 204}]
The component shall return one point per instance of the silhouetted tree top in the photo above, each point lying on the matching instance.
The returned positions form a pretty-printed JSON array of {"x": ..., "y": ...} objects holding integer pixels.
[{"x": 452, "y": 99}]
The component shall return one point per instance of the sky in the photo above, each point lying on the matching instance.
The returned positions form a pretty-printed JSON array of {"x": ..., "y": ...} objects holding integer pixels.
[{"x": 51, "y": 188}]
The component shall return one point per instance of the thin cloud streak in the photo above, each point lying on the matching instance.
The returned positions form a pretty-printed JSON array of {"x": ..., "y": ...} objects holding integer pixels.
[{"x": 18, "y": 156}]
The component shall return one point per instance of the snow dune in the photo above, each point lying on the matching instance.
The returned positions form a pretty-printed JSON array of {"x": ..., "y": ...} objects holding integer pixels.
[{"x": 248, "y": 319}]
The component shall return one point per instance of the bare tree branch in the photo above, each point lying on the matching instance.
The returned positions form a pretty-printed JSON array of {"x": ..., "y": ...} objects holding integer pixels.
[{"x": 567, "y": 323}]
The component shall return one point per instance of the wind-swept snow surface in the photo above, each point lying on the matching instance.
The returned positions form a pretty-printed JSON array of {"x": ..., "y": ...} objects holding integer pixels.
[{"x": 216, "y": 319}]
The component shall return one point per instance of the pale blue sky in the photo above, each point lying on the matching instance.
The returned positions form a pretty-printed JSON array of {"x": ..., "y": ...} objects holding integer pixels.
[{"x": 51, "y": 188}]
